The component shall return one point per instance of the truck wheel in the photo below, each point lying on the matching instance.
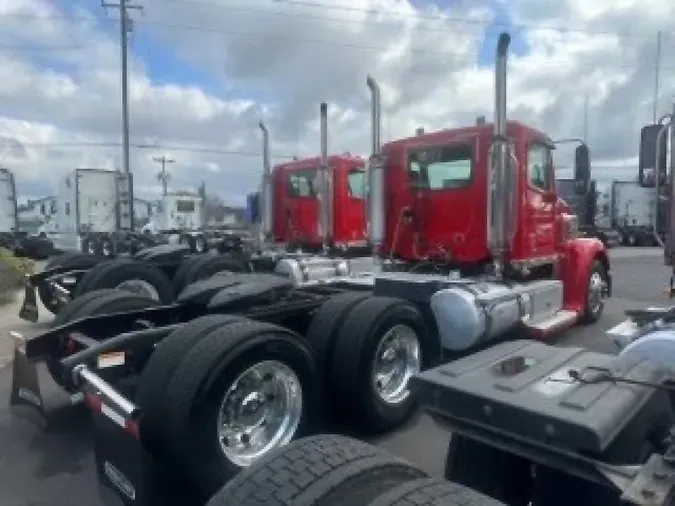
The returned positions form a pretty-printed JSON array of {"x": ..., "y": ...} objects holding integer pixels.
[
  {"x": 495, "y": 473},
  {"x": 250, "y": 384},
  {"x": 107, "y": 248},
  {"x": 379, "y": 347},
  {"x": 209, "y": 265},
  {"x": 73, "y": 307},
  {"x": 160, "y": 367},
  {"x": 432, "y": 492},
  {"x": 129, "y": 275},
  {"x": 322, "y": 470},
  {"x": 631, "y": 240},
  {"x": 595, "y": 298},
  {"x": 97, "y": 303},
  {"x": 179, "y": 278},
  {"x": 76, "y": 260},
  {"x": 90, "y": 245},
  {"x": 323, "y": 332},
  {"x": 201, "y": 246}
]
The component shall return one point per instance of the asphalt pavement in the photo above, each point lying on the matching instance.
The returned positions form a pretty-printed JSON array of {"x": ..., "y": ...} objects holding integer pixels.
[{"x": 54, "y": 466}]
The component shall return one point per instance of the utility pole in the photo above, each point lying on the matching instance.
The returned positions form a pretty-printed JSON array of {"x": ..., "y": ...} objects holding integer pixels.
[
  {"x": 163, "y": 176},
  {"x": 657, "y": 72},
  {"x": 126, "y": 26}
]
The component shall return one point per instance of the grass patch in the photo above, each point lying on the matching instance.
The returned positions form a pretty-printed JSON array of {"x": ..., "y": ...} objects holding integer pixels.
[{"x": 13, "y": 271}]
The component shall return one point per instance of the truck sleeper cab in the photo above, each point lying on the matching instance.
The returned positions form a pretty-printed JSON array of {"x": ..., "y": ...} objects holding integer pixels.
[{"x": 296, "y": 203}]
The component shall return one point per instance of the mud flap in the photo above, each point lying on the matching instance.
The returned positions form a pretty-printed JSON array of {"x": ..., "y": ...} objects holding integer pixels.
[
  {"x": 26, "y": 398},
  {"x": 127, "y": 471},
  {"x": 29, "y": 308}
]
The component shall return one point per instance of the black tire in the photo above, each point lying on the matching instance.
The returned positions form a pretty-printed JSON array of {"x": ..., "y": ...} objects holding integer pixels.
[
  {"x": 106, "y": 303},
  {"x": 323, "y": 332},
  {"x": 179, "y": 278},
  {"x": 352, "y": 361},
  {"x": 209, "y": 265},
  {"x": 115, "y": 272},
  {"x": 322, "y": 470},
  {"x": 592, "y": 313},
  {"x": 107, "y": 247},
  {"x": 76, "y": 260},
  {"x": 433, "y": 492},
  {"x": 90, "y": 245},
  {"x": 201, "y": 244},
  {"x": 73, "y": 307},
  {"x": 490, "y": 471},
  {"x": 209, "y": 369},
  {"x": 160, "y": 368}
]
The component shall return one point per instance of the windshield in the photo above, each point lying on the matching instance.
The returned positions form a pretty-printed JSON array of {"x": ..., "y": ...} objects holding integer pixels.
[
  {"x": 440, "y": 167},
  {"x": 301, "y": 183},
  {"x": 358, "y": 183},
  {"x": 185, "y": 206}
]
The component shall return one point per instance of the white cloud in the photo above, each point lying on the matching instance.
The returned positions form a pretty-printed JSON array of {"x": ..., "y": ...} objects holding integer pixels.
[{"x": 278, "y": 60}]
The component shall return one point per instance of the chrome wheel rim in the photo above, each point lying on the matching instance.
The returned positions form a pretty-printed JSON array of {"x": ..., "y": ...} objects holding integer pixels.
[
  {"x": 91, "y": 248},
  {"x": 596, "y": 290},
  {"x": 260, "y": 411},
  {"x": 397, "y": 359},
  {"x": 139, "y": 287}
]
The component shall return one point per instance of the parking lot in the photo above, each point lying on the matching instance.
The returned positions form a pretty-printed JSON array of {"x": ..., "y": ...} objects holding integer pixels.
[{"x": 53, "y": 466}]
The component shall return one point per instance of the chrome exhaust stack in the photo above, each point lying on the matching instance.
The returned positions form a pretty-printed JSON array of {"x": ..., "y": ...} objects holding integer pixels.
[
  {"x": 499, "y": 173},
  {"x": 324, "y": 190},
  {"x": 265, "y": 199},
  {"x": 376, "y": 221}
]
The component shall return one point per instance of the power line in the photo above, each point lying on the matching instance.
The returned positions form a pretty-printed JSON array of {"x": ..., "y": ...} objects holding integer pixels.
[
  {"x": 456, "y": 57},
  {"x": 154, "y": 146},
  {"x": 564, "y": 28},
  {"x": 448, "y": 19}
]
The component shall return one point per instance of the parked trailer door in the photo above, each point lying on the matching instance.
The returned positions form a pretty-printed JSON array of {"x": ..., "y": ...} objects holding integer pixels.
[
  {"x": 97, "y": 200},
  {"x": 632, "y": 205},
  {"x": 8, "y": 208}
]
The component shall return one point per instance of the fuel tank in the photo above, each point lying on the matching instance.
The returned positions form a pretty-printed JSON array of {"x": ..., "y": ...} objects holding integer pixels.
[
  {"x": 301, "y": 270},
  {"x": 469, "y": 314}
]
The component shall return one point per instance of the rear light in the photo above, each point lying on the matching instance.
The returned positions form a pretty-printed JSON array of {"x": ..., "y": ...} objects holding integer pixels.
[{"x": 96, "y": 405}]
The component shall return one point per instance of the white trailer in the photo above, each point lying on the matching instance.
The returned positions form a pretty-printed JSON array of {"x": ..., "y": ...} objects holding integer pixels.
[
  {"x": 633, "y": 208},
  {"x": 91, "y": 202},
  {"x": 9, "y": 216}
]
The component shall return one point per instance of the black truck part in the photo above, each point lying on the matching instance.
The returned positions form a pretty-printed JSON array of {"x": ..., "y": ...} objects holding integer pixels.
[{"x": 153, "y": 269}]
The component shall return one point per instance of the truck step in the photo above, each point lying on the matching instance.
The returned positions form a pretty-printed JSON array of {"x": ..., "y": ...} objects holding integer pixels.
[{"x": 560, "y": 320}]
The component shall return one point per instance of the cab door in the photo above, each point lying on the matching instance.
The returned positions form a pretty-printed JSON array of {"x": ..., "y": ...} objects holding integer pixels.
[{"x": 540, "y": 199}]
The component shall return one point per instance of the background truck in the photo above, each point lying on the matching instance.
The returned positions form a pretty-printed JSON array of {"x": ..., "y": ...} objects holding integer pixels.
[
  {"x": 633, "y": 212},
  {"x": 9, "y": 219},
  {"x": 592, "y": 221}
]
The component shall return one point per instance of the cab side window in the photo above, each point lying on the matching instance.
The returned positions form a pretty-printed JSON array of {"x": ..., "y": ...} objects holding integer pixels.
[{"x": 539, "y": 166}]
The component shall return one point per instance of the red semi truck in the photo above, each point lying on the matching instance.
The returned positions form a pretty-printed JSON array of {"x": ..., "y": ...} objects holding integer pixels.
[{"x": 316, "y": 205}]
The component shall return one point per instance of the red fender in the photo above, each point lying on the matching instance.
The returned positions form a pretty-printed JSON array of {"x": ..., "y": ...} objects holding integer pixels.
[{"x": 577, "y": 257}]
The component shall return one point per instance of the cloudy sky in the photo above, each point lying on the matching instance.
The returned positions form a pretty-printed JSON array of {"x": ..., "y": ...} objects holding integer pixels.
[{"x": 204, "y": 72}]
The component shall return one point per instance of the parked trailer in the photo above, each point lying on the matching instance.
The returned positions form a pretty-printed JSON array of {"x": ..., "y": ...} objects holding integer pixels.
[
  {"x": 239, "y": 352},
  {"x": 586, "y": 208},
  {"x": 633, "y": 213}
]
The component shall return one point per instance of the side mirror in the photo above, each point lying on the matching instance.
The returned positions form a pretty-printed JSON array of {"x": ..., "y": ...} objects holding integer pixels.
[
  {"x": 651, "y": 163},
  {"x": 582, "y": 169}
]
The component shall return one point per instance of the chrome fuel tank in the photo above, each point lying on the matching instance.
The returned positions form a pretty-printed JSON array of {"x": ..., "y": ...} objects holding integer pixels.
[
  {"x": 301, "y": 270},
  {"x": 471, "y": 313}
]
